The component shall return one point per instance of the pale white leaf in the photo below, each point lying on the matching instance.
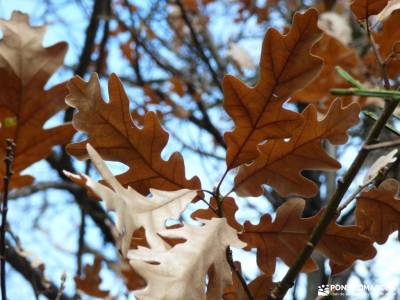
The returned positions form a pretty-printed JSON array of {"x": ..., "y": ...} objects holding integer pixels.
[
  {"x": 135, "y": 210},
  {"x": 336, "y": 26},
  {"x": 241, "y": 57},
  {"x": 387, "y": 11},
  {"x": 180, "y": 273},
  {"x": 380, "y": 164}
]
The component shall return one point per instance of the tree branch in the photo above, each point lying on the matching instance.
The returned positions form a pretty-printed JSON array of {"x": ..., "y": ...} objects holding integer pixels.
[
  {"x": 197, "y": 44},
  {"x": 8, "y": 161},
  {"x": 34, "y": 276}
]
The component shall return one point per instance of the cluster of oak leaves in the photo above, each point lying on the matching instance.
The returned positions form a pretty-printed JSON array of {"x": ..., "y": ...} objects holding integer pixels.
[{"x": 269, "y": 145}]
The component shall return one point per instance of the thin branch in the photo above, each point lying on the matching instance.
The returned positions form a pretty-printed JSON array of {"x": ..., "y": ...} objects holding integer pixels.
[
  {"x": 85, "y": 57},
  {"x": 81, "y": 243},
  {"x": 197, "y": 44},
  {"x": 62, "y": 286},
  {"x": 34, "y": 276},
  {"x": 353, "y": 196},
  {"x": 382, "y": 145},
  {"x": 238, "y": 274},
  {"x": 220, "y": 213},
  {"x": 101, "y": 60},
  {"x": 8, "y": 160},
  {"x": 43, "y": 186}
]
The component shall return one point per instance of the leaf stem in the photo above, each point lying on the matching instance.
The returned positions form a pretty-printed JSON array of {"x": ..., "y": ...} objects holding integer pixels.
[
  {"x": 348, "y": 77},
  {"x": 229, "y": 258},
  {"x": 8, "y": 160},
  {"x": 238, "y": 274}
]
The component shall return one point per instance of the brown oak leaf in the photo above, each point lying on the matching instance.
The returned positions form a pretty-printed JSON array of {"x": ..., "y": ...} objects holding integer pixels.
[
  {"x": 25, "y": 106},
  {"x": 288, "y": 234},
  {"x": 333, "y": 53},
  {"x": 363, "y": 9},
  {"x": 113, "y": 134},
  {"x": 229, "y": 208},
  {"x": 89, "y": 282},
  {"x": 286, "y": 66},
  {"x": 281, "y": 162},
  {"x": 388, "y": 39},
  {"x": 378, "y": 211}
]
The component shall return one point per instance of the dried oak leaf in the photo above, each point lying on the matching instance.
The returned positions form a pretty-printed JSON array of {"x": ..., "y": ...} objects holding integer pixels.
[
  {"x": 280, "y": 162},
  {"x": 380, "y": 164},
  {"x": 25, "y": 67},
  {"x": 112, "y": 132},
  {"x": 180, "y": 272},
  {"x": 234, "y": 291},
  {"x": 289, "y": 233},
  {"x": 387, "y": 39},
  {"x": 229, "y": 208},
  {"x": 260, "y": 287},
  {"x": 135, "y": 210},
  {"x": 286, "y": 66},
  {"x": 90, "y": 281},
  {"x": 363, "y": 9},
  {"x": 333, "y": 53},
  {"x": 378, "y": 211}
]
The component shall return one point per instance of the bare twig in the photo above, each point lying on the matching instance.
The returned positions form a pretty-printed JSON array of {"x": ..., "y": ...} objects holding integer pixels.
[
  {"x": 197, "y": 44},
  {"x": 8, "y": 160},
  {"x": 43, "y": 186},
  {"x": 34, "y": 276},
  {"x": 238, "y": 274},
  {"x": 382, "y": 145},
  {"x": 353, "y": 196},
  {"x": 62, "y": 286}
]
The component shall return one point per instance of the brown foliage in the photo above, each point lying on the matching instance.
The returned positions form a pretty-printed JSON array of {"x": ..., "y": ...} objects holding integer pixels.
[
  {"x": 25, "y": 67},
  {"x": 285, "y": 67},
  {"x": 112, "y": 132},
  {"x": 378, "y": 211},
  {"x": 289, "y": 233},
  {"x": 388, "y": 41},
  {"x": 334, "y": 53},
  {"x": 280, "y": 163},
  {"x": 90, "y": 281},
  {"x": 365, "y": 8}
]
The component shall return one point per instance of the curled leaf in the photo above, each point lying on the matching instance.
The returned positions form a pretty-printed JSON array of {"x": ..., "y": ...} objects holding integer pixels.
[{"x": 381, "y": 163}]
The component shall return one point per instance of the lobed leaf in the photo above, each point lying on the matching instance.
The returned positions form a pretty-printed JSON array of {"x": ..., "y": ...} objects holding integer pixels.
[
  {"x": 25, "y": 106},
  {"x": 180, "y": 272},
  {"x": 135, "y": 210},
  {"x": 286, "y": 66},
  {"x": 288, "y": 234},
  {"x": 112, "y": 132},
  {"x": 363, "y": 9},
  {"x": 280, "y": 163},
  {"x": 378, "y": 211}
]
